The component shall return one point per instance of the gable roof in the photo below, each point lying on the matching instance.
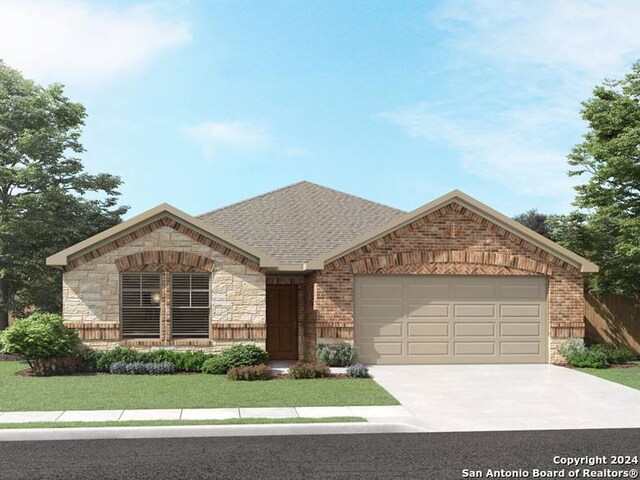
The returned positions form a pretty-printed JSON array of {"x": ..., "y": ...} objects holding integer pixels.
[
  {"x": 300, "y": 222},
  {"x": 63, "y": 257},
  {"x": 475, "y": 206}
]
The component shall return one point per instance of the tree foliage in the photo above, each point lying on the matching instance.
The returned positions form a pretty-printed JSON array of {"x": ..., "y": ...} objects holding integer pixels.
[
  {"x": 608, "y": 231},
  {"x": 42, "y": 189},
  {"x": 534, "y": 220}
]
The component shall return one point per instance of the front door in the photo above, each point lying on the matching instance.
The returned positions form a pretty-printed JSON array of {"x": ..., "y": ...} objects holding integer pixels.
[{"x": 282, "y": 322}]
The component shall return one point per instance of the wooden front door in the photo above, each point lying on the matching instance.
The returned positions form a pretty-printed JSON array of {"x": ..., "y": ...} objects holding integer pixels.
[{"x": 282, "y": 322}]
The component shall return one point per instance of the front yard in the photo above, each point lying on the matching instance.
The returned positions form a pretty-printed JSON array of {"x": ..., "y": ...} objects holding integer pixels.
[
  {"x": 628, "y": 376},
  {"x": 106, "y": 392}
]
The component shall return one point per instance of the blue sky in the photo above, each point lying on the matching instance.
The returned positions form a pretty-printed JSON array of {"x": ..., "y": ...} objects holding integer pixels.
[{"x": 203, "y": 103}]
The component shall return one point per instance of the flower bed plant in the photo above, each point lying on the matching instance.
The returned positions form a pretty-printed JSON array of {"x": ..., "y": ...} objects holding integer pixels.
[{"x": 598, "y": 355}]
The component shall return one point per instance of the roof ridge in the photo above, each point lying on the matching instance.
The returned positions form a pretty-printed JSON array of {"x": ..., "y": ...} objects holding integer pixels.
[{"x": 255, "y": 197}]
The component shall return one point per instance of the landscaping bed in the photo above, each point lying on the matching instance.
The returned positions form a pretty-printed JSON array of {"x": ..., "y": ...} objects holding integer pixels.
[
  {"x": 106, "y": 391},
  {"x": 628, "y": 374}
]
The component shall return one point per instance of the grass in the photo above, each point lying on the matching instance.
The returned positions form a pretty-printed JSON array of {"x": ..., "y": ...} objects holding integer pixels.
[
  {"x": 107, "y": 392},
  {"x": 625, "y": 376},
  {"x": 165, "y": 423}
]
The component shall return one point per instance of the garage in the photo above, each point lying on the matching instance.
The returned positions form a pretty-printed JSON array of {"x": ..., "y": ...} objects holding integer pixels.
[{"x": 457, "y": 319}]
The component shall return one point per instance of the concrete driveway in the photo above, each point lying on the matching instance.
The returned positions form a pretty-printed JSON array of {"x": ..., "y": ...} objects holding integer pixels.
[{"x": 508, "y": 397}]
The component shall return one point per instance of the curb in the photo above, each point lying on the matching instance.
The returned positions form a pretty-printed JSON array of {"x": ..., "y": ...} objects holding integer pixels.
[{"x": 104, "y": 433}]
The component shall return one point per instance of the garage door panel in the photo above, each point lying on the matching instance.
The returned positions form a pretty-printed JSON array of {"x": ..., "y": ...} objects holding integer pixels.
[
  {"x": 431, "y": 310},
  {"x": 474, "y": 348},
  {"x": 474, "y": 291},
  {"x": 444, "y": 319},
  {"x": 521, "y": 292},
  {"x": 520, "y": 311},
  {"x": 428, "y": 348},
  {"x": 474, "y": 311},
  {"x": 520, "y": 348},
  {"x": 428, "y": 330},
  {"x": 382, "y": 330},
  {"x": 475, "y": 329},
  {"x": 389, "y": 311},
  {"x": 520, "y": 329},
  {"x": 428, "y": 291}
]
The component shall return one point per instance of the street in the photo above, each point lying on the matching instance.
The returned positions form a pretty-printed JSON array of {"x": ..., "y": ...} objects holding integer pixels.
[{"x": 381, "y": 456}]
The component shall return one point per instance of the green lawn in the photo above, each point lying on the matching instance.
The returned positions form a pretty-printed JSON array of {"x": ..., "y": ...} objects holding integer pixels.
[
  {"x": 164, "y": 423},
  {"x": 103, "y": 392},
  {"x": 626, "y": 376}
]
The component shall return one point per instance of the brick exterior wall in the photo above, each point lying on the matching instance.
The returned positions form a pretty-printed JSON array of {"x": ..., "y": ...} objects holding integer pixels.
[
  {"x": 453, "y": 241},
  {"x": 91, "y": 288}
]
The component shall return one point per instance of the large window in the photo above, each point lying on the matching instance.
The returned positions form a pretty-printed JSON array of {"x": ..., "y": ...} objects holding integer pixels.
[
  {"x": 190, "y": 305},
  {"x": 141, "y": 305}
]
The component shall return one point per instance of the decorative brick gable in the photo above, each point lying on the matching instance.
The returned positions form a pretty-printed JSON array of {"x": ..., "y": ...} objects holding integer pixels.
[{"x": 449, "y": 241}]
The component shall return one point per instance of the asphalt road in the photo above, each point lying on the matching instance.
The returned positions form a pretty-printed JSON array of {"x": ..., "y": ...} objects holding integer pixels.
[{"x": 382, "y": 456}]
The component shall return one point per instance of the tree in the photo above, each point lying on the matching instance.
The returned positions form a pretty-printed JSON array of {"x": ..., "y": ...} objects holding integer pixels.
[
  {"x": 42, "y": 183},
  {"x": 534, "y": 220},
  {"x": 610, "y": 158}
]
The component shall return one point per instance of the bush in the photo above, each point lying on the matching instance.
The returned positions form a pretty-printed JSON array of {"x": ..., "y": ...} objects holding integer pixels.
[
  {"x": 87, "y": 358},
  {"x": 357, "y": 370},
  {"x": 190, "y": 361},
  {"x": 614, "y": 355},
  {"x": 340, "y": 355},
  {"x": 302, "y": 370},
  {"x": 250, "y": 373},
  {"x": 570, "y": 348},
  {"x": 215, "y": 365},
  {"x": 139, "y": 368},
  {"x": 43, "y": 340},
  {"x": 118, "y": 354},
  {"x": 243, "y": 355},
  {"x": 588, "y": 359},
  {"x": 160, "y": 355}
]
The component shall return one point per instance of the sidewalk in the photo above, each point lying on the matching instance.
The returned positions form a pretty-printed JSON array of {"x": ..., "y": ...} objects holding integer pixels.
[{"x": 379, "y": 414}]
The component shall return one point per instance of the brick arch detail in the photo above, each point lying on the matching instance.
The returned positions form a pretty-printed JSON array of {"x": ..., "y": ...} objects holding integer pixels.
[
  {"x": 458, "y": 261},
  {"x": 165, "y": 260}
]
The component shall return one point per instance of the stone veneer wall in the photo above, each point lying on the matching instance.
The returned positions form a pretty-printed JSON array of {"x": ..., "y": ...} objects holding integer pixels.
[
  {"x": 451, "y": 241},
  {"x": 91, "y": 292}
]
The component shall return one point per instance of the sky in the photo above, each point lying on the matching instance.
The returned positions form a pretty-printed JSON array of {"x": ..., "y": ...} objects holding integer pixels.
[{"x": 204, "y": 103}]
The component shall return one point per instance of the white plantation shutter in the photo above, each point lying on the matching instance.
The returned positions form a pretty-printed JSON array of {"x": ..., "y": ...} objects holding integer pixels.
[
  {"x": 190, "y": 305},
  {"x": 140, "y": 298}
]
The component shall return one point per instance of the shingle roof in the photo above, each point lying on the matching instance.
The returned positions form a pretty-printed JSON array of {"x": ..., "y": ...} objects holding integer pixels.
[{"x": 300, "y": 222}]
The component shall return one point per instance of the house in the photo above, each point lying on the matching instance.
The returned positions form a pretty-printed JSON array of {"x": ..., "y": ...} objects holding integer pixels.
[{"x": 452, "y": 281}]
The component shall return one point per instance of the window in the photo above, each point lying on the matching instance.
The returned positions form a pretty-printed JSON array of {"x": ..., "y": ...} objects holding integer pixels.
[
  {"x": 190, "y": 305},
  {"x": 140, "y": 305}
]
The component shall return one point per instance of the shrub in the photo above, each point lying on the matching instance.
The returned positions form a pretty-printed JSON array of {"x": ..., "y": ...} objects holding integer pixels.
[
  {"x": 588, "y": 359},
  {"x": 302, "y": 370},
  {"x": 570, "y": 348},
  {"x": 614, "y": 355},
  {"x": 43, "y": 340},
  {"x": 250, "y": 373},
  {"x": 118, "y": 354},
  {"x": 244, "y": 354},
  {"x": 139, "y": 368},
  {"x": 160, "y": 355},
  {"x": 161, "y": 368},
  {"x": 87, "y": 358},
  {"x": 215, "y": 365},
  {"x": 340, "y": 355},
  {"x": 357, "y": 370},
  {"x": 190, "y": 361}
]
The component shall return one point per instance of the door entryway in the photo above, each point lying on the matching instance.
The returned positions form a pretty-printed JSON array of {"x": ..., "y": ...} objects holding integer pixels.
[{"x": 282, "y": 322}]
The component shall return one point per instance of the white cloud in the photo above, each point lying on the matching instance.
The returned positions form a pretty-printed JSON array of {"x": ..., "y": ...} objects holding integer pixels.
[
  {"x": 503, "y": 156},
  {"x": 214, "y": 136},
  {"x": 77, "y": 41},
  {"x": 523, "y": 68}
]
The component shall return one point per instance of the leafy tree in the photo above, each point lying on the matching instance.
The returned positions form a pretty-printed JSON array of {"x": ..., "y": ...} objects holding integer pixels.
[
  {"x": 534, "y": 220},
  {"x": 609, "y": 157},
  {"x": 42, "y": 183}
]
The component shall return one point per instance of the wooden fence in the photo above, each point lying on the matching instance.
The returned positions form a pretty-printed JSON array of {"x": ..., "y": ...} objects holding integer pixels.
[{"x": 613, "y": 319}]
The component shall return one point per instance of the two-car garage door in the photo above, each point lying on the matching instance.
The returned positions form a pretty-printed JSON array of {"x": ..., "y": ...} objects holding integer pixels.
[{"x": 423, "y": 319}]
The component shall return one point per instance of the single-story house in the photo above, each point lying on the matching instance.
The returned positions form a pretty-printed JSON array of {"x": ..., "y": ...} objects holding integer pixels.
[{"x": 452, "y": 281}]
